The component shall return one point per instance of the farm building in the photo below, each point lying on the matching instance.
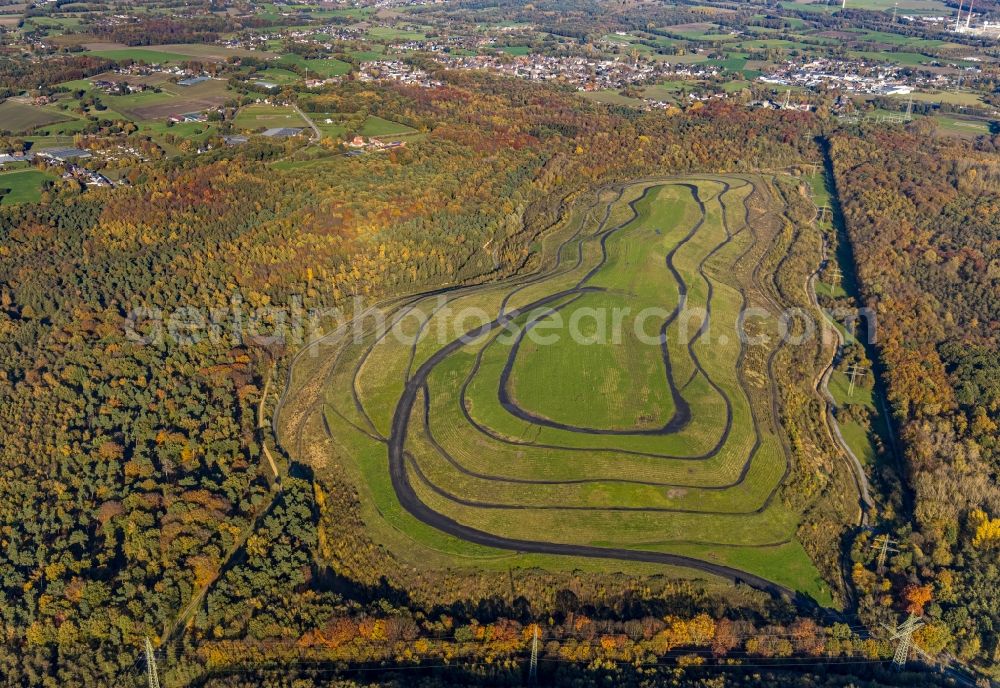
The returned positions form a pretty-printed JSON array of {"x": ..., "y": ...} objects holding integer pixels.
[
  {"x": 190, "y": 117},
  {"x": 8, "y": 158},
  {"x": 63, "y": 154},
  {"x": 282, "y": 132},
  {"x": 191, "y": 81}
]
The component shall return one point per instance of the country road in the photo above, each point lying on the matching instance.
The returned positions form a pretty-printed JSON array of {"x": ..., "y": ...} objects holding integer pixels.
[
  {"x": 262, "y": 422},
  {"x": 317, "y": 134},
  {"x": 857, "y": 468}
]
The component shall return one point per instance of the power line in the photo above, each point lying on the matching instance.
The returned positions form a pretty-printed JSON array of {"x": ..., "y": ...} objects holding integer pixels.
[
  {"x": 533, "y": 669},
  {"x": 151, "y": 675}
]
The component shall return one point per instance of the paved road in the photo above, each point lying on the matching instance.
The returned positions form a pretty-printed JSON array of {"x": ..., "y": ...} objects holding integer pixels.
[{"x": 317, "y": 134}]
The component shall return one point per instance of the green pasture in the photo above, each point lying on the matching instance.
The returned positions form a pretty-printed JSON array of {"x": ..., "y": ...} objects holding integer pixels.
[
  {"x": 325, "y": 67},
  {"x": 22, "y": 186},
  {"x": 610, "y": 97},
  {"x": 389, "y": 33},
  {"x": 276, "y": 75},
  {"x": 334, "y": 128},
  {"x": 963, "y": 127},
  {"x": 376, "y": 126}
]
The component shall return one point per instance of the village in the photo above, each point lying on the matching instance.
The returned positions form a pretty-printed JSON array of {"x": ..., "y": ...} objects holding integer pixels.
[{"x": 857, "y": 76}]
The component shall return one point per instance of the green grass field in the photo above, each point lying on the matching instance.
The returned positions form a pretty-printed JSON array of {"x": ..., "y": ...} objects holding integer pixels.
[
  {"x": 323, "y": 67},
  {"x": 266, "y": 117},
  {"x": 950, "y": 124},
  {"x": 388, "y": 33},
  {"x": 610, "y": 97},
  {"x": 334, "y": 128},
  {"x": 572, "y": 424},
  {"x": 376, "y": 126},
  {"x": 276, "y": 75},
  {"x": 22, "y": 186}
]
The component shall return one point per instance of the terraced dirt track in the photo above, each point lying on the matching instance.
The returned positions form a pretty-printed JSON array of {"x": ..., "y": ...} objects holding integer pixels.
[{"x": 491, "y": 437}]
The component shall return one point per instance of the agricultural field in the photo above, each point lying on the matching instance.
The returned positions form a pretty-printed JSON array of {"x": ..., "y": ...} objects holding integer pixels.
[
  {"x": 173, "y": 99},
  {"x": 937, "y": 7},
  {"x": 209, "y": 51},
  {"x": 20, "y": 117},
  {"x": 603, "y": 408},
  {"x": 966, "y": 98},
  {"x": 701, "y": 32},
  {"x": 146, "y": 55}
]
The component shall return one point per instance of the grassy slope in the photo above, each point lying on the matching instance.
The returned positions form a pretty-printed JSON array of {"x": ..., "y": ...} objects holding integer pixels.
[{"x": 380, "y": 379}]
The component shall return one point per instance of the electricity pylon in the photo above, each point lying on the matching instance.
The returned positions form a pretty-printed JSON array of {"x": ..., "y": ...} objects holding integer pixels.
[
  {"x": 854, "y": 371},
  {"x": 835, "y": 276},
  {"x": 903, "y": 633},
  {"x": 883, "y": 551},
  {"x": 533, "y": 668},
  {"x": 151, "y": 675}
]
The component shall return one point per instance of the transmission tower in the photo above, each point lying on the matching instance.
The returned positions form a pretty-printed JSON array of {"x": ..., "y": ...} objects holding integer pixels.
[
  {"x": 835, "y": 277},
  {"x": 895, "y": 8},
  {"x": 909, "y": 109},
  {"x": 904, "y": 635},
  {"x": 959, "y": 17},
  {"x": 533, "y": 668},
  {"x": 151, "y": 675},
  {"x": 884, "y": 548},
  {"x": 854, "y": 371}
]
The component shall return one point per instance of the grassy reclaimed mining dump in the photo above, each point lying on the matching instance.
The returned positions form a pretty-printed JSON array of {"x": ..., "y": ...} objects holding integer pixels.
[{"x": 482, "y": 432}]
